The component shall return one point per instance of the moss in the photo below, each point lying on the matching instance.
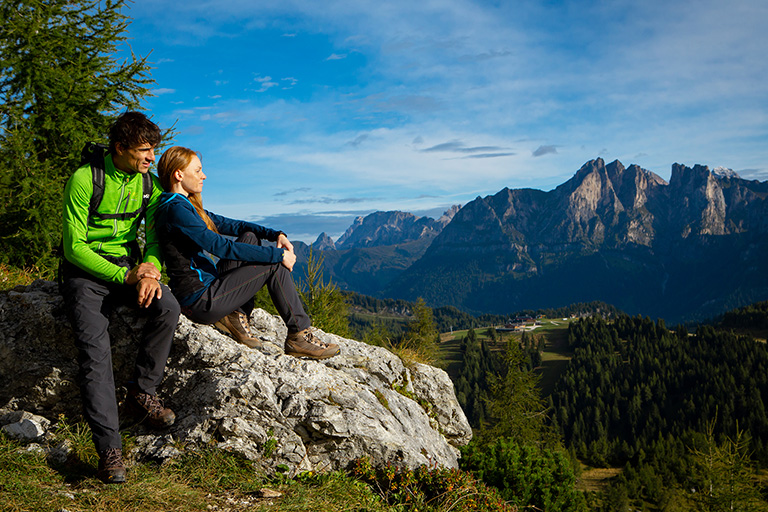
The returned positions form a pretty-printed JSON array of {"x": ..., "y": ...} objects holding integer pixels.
[{"x": 382, "y": 399}]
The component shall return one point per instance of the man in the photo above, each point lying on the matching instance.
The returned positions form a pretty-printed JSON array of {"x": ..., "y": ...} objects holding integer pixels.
[{"x": 104, "y": 267}]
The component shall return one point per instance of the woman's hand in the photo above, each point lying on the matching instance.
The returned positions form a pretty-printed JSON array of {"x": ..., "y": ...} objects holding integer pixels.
[
  {"x": 283, "y": 243},
  {"x": 289, "y": 258}
]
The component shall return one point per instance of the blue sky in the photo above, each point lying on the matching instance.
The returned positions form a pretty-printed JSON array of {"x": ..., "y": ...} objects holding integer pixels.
[{"x": 308, "y": 113}]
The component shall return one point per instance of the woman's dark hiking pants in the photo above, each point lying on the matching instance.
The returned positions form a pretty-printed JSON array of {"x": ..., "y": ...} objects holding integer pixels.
[{"x": 239, "y": 281}]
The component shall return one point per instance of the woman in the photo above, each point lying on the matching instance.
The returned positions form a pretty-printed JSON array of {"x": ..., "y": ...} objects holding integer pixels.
[{"x": 222, "y": 293}]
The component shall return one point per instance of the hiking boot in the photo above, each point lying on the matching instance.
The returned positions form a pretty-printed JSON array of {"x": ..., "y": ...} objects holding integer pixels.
[
  {"x": 236, "y": 325},
  {"x": 111, "y": 467},
  {"x": 305, "y": 344},
  {"x": 150, "y": 408}
]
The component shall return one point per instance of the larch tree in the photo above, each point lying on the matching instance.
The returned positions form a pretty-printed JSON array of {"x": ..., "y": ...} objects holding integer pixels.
[{"x": 61, "y": 84}]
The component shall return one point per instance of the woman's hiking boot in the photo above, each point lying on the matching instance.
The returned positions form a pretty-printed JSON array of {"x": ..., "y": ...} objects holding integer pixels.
[
  {"x": 236, "y": 325},
  {"x": 305, "y": 344},
  {"x": 150, "y": 408},
  {"x": 111, "y": 467}
]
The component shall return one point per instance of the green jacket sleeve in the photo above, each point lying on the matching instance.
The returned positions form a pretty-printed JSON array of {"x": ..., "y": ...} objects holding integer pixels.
[{"x": 77, "y": 197}]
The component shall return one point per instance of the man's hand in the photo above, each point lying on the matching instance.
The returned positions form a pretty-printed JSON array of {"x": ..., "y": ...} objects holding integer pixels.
[
  {"x": 283, "y": 243},
  {"x": 289, "y": 259},
  {"x": 141, "y": 271},
  {"x": 148, "y": 288}
]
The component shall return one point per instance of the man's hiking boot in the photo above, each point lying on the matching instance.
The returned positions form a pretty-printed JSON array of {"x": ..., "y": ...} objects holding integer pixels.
[
  {"x": 236, "y": 325},
  {"x": 111, "y": 467},
  {"x": 305, "y": 344},
  {"x": 150, "y": 408}
]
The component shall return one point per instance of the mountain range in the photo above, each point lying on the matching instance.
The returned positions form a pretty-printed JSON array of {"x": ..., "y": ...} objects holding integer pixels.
[{"x": 681, "y": 250}]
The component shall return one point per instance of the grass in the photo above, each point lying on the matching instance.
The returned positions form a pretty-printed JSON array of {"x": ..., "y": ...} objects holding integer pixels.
[
  {"x": 10, "y": 277},
  {"x": 555, "y": 355},
  {"x": 207, "y": 480},
  {"x": 449, "y": 354},
  {"x": 214, "y": 480}
]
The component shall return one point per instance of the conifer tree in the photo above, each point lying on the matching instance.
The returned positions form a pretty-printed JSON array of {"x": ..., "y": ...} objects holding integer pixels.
[
  {"x": 728, "y": 480},
  {"x": 325, "y": 303},
  {"x": 421, "y": 334},
  {"x": 61, "y": 84},
  {"x": 423, "y": 324},
  {"x": 517, "y": 408}
]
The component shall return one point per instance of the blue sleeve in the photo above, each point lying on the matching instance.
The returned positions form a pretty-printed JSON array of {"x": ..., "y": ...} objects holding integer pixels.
[{"x": 182, "y": 216}]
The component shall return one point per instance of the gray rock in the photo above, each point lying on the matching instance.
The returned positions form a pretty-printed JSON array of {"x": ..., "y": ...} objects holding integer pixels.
[
  {"x": 266, "y": 406},
  {"x": 23, "y": 426}
]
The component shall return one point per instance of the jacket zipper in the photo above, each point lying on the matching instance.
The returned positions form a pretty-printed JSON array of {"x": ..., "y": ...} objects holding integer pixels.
[{"x": 117, "y": 208}]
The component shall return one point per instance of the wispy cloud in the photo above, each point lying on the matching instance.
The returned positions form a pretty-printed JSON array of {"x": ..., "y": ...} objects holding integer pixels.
[
  {"x": 460, "y": 147},
  {"x": 490, "y": 155},
  {"x": 265, "y": 82},
  {"x": 333, "y": 200},
  {"x": 358, "y": 140},
  {"x": 545, "y": 150},
  {"x": 292, "y": 191}
]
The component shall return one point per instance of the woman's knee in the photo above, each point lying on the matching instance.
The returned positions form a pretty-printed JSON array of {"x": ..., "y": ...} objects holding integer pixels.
[{"x": 249, "y": 237}]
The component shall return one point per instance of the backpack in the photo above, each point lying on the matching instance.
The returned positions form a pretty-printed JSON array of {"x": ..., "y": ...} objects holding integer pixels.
[{"x": 93, "y": 153}]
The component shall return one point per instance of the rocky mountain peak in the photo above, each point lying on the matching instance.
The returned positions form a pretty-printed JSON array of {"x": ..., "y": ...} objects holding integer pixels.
[
  {"x": 607, "y": 231},
  {"x": 702, "y": 201},
  {"x": 449, "y": 214},
  {"x": 726, "y": 173},
  {"x": 388, "y": 228},
  {"x": 324, "y": 243}
]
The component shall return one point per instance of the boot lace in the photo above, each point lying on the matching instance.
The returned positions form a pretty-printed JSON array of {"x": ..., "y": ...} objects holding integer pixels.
[
  {"x": 152, "y": 404},
  {"x": 113, "y": 457},
  {"x": 244, "y": 324},
  {"x": 310, "y": 338}
]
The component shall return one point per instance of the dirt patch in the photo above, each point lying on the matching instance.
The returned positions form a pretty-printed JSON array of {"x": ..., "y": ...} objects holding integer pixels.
[{"x": 596, "y": 479}]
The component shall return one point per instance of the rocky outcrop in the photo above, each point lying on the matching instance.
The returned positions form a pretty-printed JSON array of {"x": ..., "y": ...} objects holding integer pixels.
[{"x": 270, "y": 408}]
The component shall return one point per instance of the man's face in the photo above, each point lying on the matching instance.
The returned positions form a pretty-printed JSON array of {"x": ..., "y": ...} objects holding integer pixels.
[{"x": 134, "y": 159}]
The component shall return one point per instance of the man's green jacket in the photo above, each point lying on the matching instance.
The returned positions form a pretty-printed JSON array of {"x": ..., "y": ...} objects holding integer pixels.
[{"x": 86, "y": 239}]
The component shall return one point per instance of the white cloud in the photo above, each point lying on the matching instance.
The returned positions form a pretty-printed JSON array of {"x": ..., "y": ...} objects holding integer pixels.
[{"x": 265, "y": 83}]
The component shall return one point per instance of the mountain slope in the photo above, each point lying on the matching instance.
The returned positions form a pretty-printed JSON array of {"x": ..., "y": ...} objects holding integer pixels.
[{"x": 692, "y": 247}]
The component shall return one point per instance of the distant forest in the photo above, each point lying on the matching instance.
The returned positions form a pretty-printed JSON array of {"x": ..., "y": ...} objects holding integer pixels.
[{"x": 643, "y": 397}]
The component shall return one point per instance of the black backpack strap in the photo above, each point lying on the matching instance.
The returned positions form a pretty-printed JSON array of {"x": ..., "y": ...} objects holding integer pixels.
[{"x": 94, "y": 153}]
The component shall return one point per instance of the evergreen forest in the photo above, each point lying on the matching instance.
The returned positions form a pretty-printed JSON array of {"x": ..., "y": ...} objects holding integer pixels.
[{"x": 678, "y": 416}]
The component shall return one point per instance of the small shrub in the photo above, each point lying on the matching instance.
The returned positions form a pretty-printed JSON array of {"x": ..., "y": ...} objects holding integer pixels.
[
  {"x": 429, "y": 488},
  {"x": 526, "y": 475}
]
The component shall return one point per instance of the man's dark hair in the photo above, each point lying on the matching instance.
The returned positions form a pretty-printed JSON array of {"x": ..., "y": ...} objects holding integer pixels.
[{"x": 132, "y": 129}]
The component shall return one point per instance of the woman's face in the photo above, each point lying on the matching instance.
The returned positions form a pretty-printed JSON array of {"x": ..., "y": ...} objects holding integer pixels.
[{"x": 193, "y": 177}]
